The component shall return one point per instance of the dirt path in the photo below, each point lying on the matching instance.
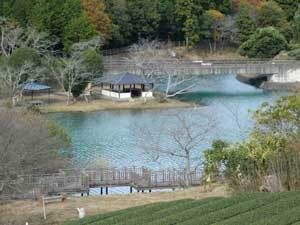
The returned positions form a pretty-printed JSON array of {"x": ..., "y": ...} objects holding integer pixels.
[{"x": 18, "y": 212}]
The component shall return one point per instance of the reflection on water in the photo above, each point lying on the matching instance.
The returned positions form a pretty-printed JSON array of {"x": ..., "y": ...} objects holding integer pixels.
[{"x": 111, "y": 135}]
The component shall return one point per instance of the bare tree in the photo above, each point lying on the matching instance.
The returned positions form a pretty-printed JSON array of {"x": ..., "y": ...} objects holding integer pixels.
[
  {"x": 151, "y": 60},
  {"x": 71, "y": 71},
  {"x": 29, "y": 144},
  {"x": 11, "y": 77},
  {"x": 13, "y": 37},
  {"x": 184, "y": 139}
]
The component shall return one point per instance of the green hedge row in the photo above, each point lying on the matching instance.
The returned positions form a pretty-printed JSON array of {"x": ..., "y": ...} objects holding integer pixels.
[
  {"x": 139, "y": 211},
  {"x": 241, "y": 209},
  {"x": 286, "y": 218},
  {"x": 288, "y": 201},
  {"x": 233, "y": 210},
  {"x": 149, "y": 217},
  {"x": 179, "y": 217}
]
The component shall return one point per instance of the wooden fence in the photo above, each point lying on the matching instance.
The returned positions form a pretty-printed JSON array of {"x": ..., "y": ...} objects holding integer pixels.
[{"x": 74, "y": 181}]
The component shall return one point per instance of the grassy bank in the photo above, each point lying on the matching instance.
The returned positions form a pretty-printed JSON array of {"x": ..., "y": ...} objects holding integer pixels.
[
  {"x": 241, "y": 209},
  {"x": 103, "y": 104}
]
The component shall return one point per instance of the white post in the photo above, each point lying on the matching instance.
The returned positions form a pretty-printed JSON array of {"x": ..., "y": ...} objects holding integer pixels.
[{"x": 44, "y": 209}]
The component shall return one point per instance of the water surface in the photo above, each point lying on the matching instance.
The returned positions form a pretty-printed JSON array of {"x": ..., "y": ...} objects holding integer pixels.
[{"x": 114, "y": 136}]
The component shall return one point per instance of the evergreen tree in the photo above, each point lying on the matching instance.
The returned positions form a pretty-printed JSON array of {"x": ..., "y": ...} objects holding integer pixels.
[
  {"x": 144, "y": 18},
  {"x": 120, "y": 27},
  {"x": 167, "y": 27},
  {"x": 245, "y": 24},
  {"x": 289, "y": 7},
  {"x": 264, "y": 43},
  {"x": 78, "y": 30},
  {"x": 188, "y": 16},
  {"x": 270, "y": 14},
  {"x": 297, "y": 26}
]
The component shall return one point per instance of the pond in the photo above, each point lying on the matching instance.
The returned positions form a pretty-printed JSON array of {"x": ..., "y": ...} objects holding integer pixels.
[{"x": 113, "y": 136}]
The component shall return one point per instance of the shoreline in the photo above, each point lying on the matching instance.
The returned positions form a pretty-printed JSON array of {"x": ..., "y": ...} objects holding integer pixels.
[{"x": 103, "y": 104}]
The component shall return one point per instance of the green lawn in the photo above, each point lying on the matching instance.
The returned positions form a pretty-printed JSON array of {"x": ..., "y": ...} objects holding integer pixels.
[{"x": 241, "y": 209}]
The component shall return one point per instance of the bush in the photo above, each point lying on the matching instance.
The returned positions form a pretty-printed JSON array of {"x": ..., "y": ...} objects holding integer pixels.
[
  {"x": 295, "y": 54},
  {"x": 273, "y": 149},
  {"x": 264, "y": 43}
]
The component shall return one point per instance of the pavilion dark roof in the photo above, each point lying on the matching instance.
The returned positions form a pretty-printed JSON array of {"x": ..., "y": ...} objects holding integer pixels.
[
  {"x": 122, "y": 79},
  {"x": 33, "y": 86}
]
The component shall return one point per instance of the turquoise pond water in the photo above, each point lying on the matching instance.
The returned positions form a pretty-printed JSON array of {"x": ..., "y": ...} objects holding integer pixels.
[{"x": 114, "y": 136}]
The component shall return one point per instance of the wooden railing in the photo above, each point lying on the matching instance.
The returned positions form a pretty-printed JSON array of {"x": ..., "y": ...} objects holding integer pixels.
[{"x": 74, "y": 181}]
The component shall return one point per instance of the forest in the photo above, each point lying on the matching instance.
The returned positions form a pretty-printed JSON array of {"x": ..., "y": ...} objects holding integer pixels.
[{"x": 259, "y": 28}]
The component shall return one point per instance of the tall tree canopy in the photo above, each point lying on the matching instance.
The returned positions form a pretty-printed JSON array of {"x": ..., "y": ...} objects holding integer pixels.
[
  {"x": 144, "y": 18},
  {"x": 124, "y": 22}
]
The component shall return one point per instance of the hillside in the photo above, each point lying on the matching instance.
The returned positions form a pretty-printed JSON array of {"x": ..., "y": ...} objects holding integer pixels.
[{"x": 254, "y": 208}]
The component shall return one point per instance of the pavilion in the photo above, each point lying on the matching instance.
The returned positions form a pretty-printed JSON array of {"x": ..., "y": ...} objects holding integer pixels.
[
  {"x": 125, "y": 86},
  {"x": 32, "y": 88}
]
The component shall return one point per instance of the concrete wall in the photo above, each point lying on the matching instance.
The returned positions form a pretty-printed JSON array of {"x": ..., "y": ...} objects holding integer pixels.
[
  {"x": 112, "y": 94},
  {"x": 125, "y": 95},
  {"x": 292, "y": 75},
  {"x": 148, "y": 94}
]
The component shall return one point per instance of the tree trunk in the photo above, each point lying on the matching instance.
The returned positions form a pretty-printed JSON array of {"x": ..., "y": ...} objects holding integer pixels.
[
  {"x": 69, "y": 95},
  {"x": 188, "y": 169},
  {"x": 215, "y": 45},
  {"x": 210, "y": 46}
]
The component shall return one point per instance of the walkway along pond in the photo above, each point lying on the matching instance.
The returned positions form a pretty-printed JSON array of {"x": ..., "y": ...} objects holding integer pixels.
[{"x": 74, "y": 181}]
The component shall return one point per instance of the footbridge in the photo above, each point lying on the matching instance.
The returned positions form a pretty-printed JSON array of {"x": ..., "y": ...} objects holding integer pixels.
[{"x": 282, "y": 68}]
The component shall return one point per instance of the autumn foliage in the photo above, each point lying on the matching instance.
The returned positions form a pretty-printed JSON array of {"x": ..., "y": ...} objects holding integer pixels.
[{"x": 95, "y": 9}]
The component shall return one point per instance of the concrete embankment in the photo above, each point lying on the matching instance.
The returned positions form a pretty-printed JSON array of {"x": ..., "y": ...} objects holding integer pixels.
[
  {"x": 274, "y": 86},
  {"x": 265, "y": 81}
]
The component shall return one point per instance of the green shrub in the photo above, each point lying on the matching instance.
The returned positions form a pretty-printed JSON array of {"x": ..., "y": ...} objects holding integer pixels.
[
  {"x": 264, "y": 43},
  {"x": 295, "y": 54}
]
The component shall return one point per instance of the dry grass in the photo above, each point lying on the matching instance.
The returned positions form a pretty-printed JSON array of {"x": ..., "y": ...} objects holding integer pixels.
[
  {"x": 57, "y": 102},
  {"x": 18, "y": 212}
]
